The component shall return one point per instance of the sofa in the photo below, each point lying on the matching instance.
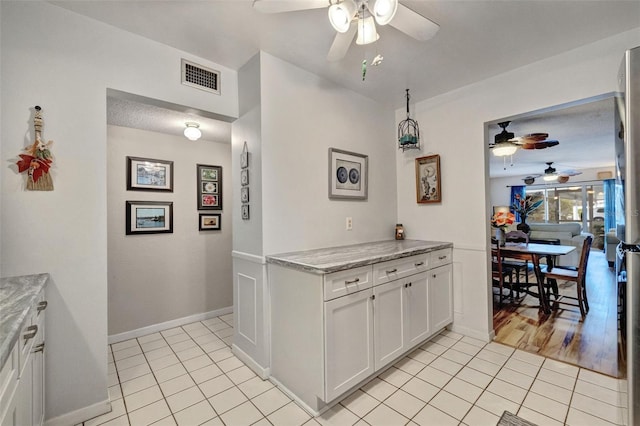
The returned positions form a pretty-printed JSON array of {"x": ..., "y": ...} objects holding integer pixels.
[
  {"x": 569, "y": 234},
  {"x": 611, "y": 241}
]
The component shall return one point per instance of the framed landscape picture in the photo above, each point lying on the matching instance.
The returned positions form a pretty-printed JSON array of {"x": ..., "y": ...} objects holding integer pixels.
[
  {"x": 149, "y": 217},
  {"x": 210, "y": 222},
  {"x": 209, "y": 187},
  {"x": 146, "y": 174},
  {"x": 428, "y": 179},
  {"x": 348, "y": 175}
]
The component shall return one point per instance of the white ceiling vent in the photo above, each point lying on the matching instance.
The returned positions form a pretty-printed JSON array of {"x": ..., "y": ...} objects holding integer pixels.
[{"x": 200, "y": 77}]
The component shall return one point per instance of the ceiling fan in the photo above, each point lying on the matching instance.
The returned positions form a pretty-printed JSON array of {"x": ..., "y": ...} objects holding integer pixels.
[
  {"x": 550, "y": 174},
  {"x": 351, "y": 17},
  {"x": 505, "y": 143}
]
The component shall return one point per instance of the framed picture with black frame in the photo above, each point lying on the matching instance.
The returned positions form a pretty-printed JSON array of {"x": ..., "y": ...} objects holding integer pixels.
[
  {"x": 210, "y": 222},
  {"x": 146, "y": 174},
  {"x": 149, "y": 217},
  {"x": 209, "y": 187}
]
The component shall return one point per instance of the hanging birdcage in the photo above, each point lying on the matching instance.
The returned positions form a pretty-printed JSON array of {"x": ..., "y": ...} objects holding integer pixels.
[{"x": 408, "y": 132}]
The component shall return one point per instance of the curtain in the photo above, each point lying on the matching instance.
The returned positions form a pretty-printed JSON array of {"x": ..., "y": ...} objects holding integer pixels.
[
  {"x": 609, "y": 204},
  {"x": 517, "y": 190}
]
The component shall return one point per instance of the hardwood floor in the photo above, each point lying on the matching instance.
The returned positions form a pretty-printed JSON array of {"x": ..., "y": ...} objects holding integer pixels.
[{"x": 592, "y": 343}]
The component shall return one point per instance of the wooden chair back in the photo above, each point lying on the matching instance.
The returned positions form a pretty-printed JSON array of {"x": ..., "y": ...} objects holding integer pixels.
[
  {"x": 584, "y": 259},
  {"x": 517, "y": 237}
]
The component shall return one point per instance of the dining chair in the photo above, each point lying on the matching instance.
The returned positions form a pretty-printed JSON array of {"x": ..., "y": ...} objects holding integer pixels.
[
  {"x": 519, "y": 265},
  {"x": 575, "y": 274},
  {"x": 499, "y": 271}
]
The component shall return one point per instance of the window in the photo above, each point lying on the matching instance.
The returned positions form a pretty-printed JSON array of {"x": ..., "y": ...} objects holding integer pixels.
[{"x": 582, "y": 203}]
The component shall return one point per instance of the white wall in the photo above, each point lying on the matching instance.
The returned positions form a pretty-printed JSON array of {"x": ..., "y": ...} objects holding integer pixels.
[
  {"x": 302, "y": 117},
  {"x": 247, "y": 236},
  {"x": 289, "y": 118},
  {"x": 65, "y": 62},
  {"x": 452, "y": 125},
  {"x": 162, "y": 277}
]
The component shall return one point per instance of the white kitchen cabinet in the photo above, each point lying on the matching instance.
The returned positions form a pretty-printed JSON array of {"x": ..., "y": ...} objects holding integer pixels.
[
  {"x": 349, "y": 342},
  {"x": 23, "y": 396},
  {"x": 417, "y": 297},
  {"x": 37, "y": 363},
  {"x": 441, "y": 296},
  {"x": 332, "y": 331},
  {"x": 401, "y": 317},
  {"x": 389, "y": 322}
]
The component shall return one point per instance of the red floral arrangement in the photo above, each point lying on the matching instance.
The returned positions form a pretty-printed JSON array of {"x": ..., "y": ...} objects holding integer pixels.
[{"x": 502, "y": 220}]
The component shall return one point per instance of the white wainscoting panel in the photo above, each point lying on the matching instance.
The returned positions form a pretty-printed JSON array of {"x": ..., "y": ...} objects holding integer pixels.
[{"x": 246, "y": 302}]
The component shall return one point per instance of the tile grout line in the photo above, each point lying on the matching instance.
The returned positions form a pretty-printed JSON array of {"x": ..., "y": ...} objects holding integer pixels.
[{"x": 412, "y": 376}]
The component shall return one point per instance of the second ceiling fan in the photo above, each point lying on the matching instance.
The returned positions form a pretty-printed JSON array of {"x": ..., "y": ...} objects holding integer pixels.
[{"x": 351, "y": 17}]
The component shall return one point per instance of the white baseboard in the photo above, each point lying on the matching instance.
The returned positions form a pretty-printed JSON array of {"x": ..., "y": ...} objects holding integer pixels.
[
  {"x": 81, "y": 415},
  {"x": 297, "y": 400},
  {"x": 115, "y": 338},
  {"x": 261, "y": 371},
  {"x": 471, "y": 332}
]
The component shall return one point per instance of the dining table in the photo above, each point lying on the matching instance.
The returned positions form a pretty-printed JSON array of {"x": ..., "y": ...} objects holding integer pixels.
[{"x": 534, "y": 252}]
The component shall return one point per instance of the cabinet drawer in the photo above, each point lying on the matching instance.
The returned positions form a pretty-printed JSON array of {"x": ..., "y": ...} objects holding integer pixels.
[
  {"x": 399, "y": 268},
  {"x": 9, "y": 379},
  {"x": 441, "y": 257},
  {"x": 348, "y": 281}
]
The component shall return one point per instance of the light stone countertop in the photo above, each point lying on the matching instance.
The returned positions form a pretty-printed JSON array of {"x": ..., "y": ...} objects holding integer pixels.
[
  {"x": 17, "y": 295},
  {"x": 332, "y": 259}
]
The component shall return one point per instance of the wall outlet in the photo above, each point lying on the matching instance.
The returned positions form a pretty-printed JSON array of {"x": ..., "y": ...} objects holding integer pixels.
[{"x": 349, "y": 224}]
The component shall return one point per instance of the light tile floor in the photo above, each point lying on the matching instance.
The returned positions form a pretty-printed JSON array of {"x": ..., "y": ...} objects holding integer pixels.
[{"x": 188, "y": 376}]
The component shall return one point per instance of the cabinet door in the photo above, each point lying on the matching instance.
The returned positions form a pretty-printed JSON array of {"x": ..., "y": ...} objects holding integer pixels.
[
  {"x": 417, "y": 298},
  {"x": 349, "y": 342},
  {"x": 37, "y": 361},
  {"x": 11, "y": 415},
  {"x": 441, "y": 297},
  {"x": 389, "y": 322}
]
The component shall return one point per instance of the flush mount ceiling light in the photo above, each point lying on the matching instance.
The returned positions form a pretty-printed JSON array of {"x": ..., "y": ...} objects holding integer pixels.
[{"x": 192, "y": 131}]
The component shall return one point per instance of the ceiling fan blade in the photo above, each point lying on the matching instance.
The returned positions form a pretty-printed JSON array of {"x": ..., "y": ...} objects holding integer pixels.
[
  {"x": 413, "y": 24},
  {"x": 533, "y": 137},
  {"x": 569, "y": 173},
  {"x": 277, "y": 6},
  {"x": 341, "y": 44},
  {"x": 539, "y": 145}
]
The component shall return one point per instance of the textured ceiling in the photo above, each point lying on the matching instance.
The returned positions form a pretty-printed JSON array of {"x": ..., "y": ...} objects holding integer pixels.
[
  {"x": 586, "y": 133},
  {"x": 477, "y": 38},
  {"x": 140, "y": 115}
]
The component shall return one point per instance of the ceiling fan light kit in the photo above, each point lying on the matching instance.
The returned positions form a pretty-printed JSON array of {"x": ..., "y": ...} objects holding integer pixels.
[
  {"x": 341, "y": 15},
  {"x": 504, "y": 149},
  {"x": 367, "y": 33},
  {"x": 349, "y": 17},
  {"x": 384, "y": 11}
]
